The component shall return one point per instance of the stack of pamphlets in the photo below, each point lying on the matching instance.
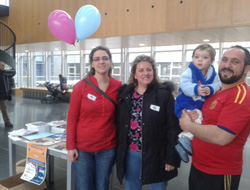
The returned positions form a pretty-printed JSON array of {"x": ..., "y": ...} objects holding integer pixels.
[
  {"x": 21, "y": 132},
  {"x": 58, "y": 126},
  {"x": 50, "y": 140},
  {"x": 38, "y": 126}
]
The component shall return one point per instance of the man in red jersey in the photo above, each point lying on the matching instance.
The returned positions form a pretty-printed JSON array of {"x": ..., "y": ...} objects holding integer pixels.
[{"x": 219, "y": 141}]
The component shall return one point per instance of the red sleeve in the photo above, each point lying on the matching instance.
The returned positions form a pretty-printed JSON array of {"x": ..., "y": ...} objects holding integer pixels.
[
  {"x": 235, "y": 113},
  {"x": 73, "y": 115}
]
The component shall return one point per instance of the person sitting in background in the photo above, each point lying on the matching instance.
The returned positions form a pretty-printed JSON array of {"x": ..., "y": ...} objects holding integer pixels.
[
  {"x": 63, "y": 83},
  {"x": 5, "y": 92}
]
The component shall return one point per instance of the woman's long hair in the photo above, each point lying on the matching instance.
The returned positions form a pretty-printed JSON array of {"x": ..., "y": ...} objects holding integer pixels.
[{"x": 137, "y": 60}]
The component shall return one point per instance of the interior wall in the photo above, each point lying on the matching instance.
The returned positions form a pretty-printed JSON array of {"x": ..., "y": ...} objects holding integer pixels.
[{"x": 29, "y": 18}]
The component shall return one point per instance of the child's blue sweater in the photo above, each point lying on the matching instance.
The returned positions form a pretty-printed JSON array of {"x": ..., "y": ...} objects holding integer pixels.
[{"x": 190, "y": 80}]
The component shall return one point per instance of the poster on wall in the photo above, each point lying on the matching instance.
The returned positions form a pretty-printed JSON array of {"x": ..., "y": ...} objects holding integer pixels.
[{"x": 35, "y": 168}]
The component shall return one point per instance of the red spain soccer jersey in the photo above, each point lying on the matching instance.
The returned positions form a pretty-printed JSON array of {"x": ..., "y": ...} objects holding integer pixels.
[{"x": 230, "y": 109}]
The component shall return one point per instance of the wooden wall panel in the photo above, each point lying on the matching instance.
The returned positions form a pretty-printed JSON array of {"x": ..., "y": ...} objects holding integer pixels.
[
  {"x": 21, "y": 20},
  {"x": 81, "y": 3},
  {"x": 108, "y": 13},
  {"x": 241, "y": 12},
  {"x": 181, "y": 15},
  {"x": 127, "y": 17},
  {"x": 5, "y": 20},
  {"x": 152, "y": 16},
  {"x": 69, "y": 6},
  {"x": 214, "y": 13},
  {"x": 40, "y": 27},
  {"x": 29, "y": 18}
]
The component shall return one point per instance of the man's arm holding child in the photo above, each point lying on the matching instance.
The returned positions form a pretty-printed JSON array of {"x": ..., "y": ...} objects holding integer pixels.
[{"x": 208, "y": 133}]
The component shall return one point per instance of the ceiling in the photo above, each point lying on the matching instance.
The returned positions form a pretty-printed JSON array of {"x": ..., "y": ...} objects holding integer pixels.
[{"x": 162, "y": 39}]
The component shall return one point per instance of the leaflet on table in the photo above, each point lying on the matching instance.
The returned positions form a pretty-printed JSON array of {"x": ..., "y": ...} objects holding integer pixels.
[
  {"x": 44, "y": 141},
  {"x": 58, "y": 136},
  {"x": 50, "y": 140},
  {"x": 38, "y": 126},
  {"x": 59, "y": 146},
  {"x": 59, "y": 129},
  {"x": 21, "y": 132},
  {"x": 58, "y": 126},
  {"x": 57, "y": 123},
  {"x": 35, "y": 168},
  {"x": 37, "y": 135}
]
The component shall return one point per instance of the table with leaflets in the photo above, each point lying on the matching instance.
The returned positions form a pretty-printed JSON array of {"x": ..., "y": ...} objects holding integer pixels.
[{"x": 52, "y": 151}]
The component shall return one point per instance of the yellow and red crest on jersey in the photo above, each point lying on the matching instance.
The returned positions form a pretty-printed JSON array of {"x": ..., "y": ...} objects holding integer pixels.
[{"x": 214, "y": 103}]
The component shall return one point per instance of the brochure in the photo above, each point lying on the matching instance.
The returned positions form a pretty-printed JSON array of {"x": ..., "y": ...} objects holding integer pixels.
[
  {"x": 37, "y": 135},
  {"x": 35, "y": 168},
  {"x": 38, "y": 126}
]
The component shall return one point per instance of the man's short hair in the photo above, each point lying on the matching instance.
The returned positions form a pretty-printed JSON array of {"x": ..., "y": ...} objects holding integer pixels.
[{"x": 247, "y": 53}]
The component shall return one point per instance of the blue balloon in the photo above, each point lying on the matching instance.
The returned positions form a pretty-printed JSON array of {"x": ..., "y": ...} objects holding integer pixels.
[{"x": 87, "y": 21}]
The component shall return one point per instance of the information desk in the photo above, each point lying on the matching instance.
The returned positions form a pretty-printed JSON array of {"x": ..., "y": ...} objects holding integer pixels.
[{"x": 51, "y": 152}]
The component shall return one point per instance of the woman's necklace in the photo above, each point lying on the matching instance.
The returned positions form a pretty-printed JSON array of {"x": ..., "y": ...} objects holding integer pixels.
[{"x": 140, "y": 90}]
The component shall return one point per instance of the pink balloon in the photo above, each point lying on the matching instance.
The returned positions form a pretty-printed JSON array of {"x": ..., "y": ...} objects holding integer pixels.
[{"x": 62, "y": 26}]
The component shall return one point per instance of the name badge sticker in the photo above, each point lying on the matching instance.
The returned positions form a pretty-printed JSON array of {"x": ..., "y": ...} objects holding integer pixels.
[
  {"x": 155, "y": 108},
  {"x": 91, "y": 97}
]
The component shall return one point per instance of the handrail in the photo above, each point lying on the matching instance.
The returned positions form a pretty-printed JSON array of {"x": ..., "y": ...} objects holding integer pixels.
[
  {"x": 7, "y": 45},
  {"x": 7, "y": 36}
]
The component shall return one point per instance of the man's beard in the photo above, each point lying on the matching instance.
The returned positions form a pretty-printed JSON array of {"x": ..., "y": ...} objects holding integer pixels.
[{"x": 232, "y": 79}]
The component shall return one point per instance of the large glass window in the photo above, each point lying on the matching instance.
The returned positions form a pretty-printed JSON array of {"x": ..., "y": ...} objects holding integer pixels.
[
  {"x": 73, "y": 67},
  {"x": 87, "y": 65},
  {"x": 34, "y": 68},
  {"x": 168, "y": 48},
  {"x": 21, "y": 77},
  {"x": 55, "y": 65},
  {"x": 169, "y": 65},
  {"x": 116, "y": 58},
  {"x": 23, "y": 73},
  {"x": 40, "y": 70},
  {"x": 4, "y": 2}
]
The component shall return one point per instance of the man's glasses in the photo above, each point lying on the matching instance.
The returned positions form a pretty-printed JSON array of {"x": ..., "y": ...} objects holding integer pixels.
[{"x": 104, "y": 58}]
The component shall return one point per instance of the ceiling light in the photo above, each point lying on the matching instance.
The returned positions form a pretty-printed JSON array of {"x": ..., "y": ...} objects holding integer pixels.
[
  {"x": 141, "y": 44},
  {"x": 26, "y": 51},
  {"x": 56, "y": 49},
  {"x": 206, "y": 40}
]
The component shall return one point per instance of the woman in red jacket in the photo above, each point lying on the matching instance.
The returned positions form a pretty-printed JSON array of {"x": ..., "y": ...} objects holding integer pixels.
[{"x": 91, "y": 131}]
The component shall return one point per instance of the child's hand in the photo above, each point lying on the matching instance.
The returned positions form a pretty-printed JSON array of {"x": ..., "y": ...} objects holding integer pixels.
[
  {"x": 203, "y": 90},
  {"x": 207, "y": 91}
]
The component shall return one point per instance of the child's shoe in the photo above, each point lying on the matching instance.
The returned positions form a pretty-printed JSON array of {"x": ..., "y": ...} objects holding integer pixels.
[
  {"x": 186, "y": 144},
  {"x": 182, "y": 153}
]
